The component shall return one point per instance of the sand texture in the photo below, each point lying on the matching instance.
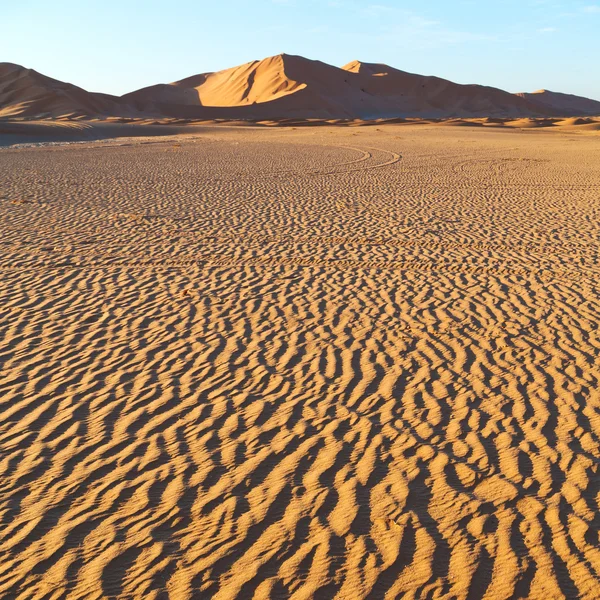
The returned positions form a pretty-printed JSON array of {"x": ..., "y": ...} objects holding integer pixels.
[{"x": 302, "y": 363}]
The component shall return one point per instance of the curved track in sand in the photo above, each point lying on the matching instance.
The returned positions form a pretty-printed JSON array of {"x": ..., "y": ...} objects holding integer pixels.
[
  {"x": 219, "y": 383},
  {"x": 370, "y": 158}
]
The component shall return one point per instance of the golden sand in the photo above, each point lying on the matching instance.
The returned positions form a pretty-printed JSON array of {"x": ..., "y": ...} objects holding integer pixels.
[{"x": 302, "y": 363}]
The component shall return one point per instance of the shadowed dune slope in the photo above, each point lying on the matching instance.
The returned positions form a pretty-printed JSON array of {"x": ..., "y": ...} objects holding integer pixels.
[
  {"x": 423, "y": 96},
  {"x": 564, "y": 104},
  {"x": 26, "y": 93}
]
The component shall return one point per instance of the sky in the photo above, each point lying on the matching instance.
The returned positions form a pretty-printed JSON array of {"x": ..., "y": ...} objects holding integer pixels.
[{"x": 117, "y": 46}]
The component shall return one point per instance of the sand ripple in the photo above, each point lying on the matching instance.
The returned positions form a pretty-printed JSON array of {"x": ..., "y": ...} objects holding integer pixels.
[{"x": 288, "y": 364}]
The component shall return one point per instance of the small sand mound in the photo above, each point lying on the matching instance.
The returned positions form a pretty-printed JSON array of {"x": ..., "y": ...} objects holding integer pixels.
[
  {"x": 531, "y": 123},
  {"x": 460, "y": 123},
  {"x": 573, "y": 121}
]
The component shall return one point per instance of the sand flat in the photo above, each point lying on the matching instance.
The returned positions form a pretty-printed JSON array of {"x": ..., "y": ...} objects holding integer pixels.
[{"x": 292, "y": 363}]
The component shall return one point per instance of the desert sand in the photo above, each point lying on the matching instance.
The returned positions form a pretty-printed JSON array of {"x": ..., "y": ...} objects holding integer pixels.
[{"x": 302, "y": 362}]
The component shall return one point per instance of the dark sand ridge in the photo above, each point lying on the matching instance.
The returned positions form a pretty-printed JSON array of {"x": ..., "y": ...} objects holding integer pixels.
[{"x": 52, "y": 131}]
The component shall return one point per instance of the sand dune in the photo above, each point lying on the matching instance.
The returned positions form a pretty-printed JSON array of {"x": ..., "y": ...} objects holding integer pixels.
[
  {"x": 284, "y": 87},
  {"x": 25, "y": 93},
  {"x": 302, "y": 363},
  {"x": 287, "y": 86},
  {"x": 564, "y": 104}
]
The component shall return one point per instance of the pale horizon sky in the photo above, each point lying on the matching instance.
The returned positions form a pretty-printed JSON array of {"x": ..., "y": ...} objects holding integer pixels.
[{"x": 117, "y": 47}]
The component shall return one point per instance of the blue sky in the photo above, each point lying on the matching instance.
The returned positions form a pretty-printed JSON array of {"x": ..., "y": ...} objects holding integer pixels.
[{"x": 119, "y": 46}]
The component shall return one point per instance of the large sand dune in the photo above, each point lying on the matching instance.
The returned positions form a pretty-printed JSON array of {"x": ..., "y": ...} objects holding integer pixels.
[
  {"x": 284, "y": 87},
  {"x": 287, "y": 86},
  {"x": 313, "y": 363}
]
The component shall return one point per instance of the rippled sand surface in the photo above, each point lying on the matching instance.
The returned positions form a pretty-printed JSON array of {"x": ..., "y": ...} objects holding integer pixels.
[{"x": 313, "y": 363}]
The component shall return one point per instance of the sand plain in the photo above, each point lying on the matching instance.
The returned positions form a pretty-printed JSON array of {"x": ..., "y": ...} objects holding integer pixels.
[{"x": 302, "y": 363}]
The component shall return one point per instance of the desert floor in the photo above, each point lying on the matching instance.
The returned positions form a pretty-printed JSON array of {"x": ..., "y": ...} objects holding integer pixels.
[{"x": 321, "y": 362}]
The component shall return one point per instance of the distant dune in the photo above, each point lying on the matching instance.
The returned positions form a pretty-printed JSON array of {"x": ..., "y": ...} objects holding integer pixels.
[
  {"x": 284, "y": 87},
  {"x": 564, "y": 104},
  {"x": 27, "y": 93}
]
